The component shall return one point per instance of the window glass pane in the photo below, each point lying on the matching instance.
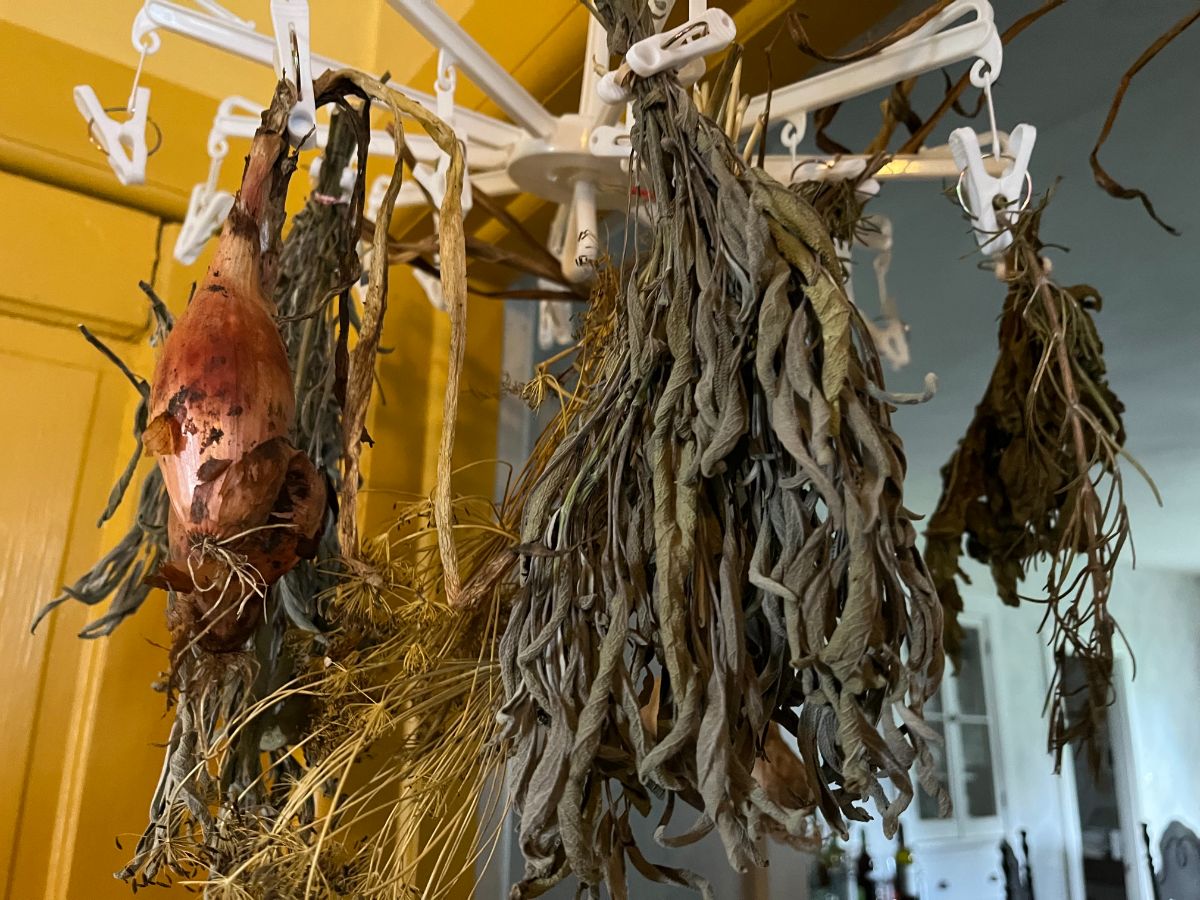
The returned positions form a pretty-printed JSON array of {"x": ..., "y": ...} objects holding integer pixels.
[
  {"x": 971, "y": 697},
  {"x": 978, "y": 778},
  {"x": 933, "y": 706},
  {"x": 927, "y": 807}
]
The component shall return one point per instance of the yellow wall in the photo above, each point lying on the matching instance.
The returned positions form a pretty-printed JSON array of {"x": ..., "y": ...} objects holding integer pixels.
[{"x": 79, "y": 717}]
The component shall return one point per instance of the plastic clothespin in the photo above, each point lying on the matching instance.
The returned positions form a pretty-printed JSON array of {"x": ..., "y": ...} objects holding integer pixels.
[
  {"x": 207, "y": 210},
  {"x": 293, "y": 62},
  {"x": 447, "y": 81},
  {"x": 208, "y": 207},
  {"x": 835, "y": 169},
  {"x": 436, "y": 186},
  {"x": 709, "y": 32},
  {"x": 891, "y": 338},
  {"x": 432, "y": 286},
  {"x": 124, "y": 143},
  {"x": 434, "y": 179},
  {"x": 992, "y": 202},
  {"x": 681, "y": 49},
  {"x": 554, "y": 320},
  {"x": 375, "y": 197}
]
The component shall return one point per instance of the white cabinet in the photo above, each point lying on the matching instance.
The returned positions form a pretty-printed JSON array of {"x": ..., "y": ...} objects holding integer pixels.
[
  {"x": 960, "y": 869},
  {"x": 963, "y": 712},
  {"x": 958, "y": 856}
]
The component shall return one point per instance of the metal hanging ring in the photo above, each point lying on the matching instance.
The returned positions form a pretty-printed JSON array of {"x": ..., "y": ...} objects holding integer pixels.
[
  {"x": 91, "y": 131},
  {"x": 1025, "y": 201}
]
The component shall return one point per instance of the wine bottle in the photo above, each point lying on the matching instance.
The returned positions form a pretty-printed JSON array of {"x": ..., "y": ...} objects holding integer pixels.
[
  {"x": 864, "y": 872},
  {"x": 906, "y": 873}
]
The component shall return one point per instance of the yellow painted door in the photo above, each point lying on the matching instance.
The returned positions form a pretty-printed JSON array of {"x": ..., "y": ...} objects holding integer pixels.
[{"x": 78, "y": 719}]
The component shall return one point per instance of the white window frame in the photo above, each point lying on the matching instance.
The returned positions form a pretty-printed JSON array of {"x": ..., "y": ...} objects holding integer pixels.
[{"x": 960, "y": 825}]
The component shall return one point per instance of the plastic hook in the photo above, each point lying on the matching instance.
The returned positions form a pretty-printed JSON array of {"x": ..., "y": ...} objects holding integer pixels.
[{"x": 293, "y": 61}]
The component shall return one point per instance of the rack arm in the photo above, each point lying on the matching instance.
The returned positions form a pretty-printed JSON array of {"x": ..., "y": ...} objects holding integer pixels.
[
  {"x": 932, "y": 47},
  {"x": 225, "y": 35},
  {"x": 488, "y": 75}
]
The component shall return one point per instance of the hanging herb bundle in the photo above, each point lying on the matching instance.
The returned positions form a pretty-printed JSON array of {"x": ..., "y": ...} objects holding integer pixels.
[
  {"x": 256, "y": 762},
  {"x": 210, "y": 684},
  {"x": 718, "y": 541},
  {"x": 1037, "y": 478},
  {"x": 244, "y": 506}
]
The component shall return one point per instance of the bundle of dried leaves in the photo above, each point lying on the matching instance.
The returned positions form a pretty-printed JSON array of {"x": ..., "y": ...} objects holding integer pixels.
[
  {"x": 718, "y": 541},
  {"x": 1037, "y": 478}
]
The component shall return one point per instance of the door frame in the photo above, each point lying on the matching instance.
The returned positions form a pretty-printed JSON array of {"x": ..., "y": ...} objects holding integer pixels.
[{"x": 1120, "y": 727}]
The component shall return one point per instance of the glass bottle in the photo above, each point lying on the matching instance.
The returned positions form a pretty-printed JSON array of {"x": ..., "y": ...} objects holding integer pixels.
[
  {"x": 864, "y": 872},
  {"x": 906, "y": 872}
]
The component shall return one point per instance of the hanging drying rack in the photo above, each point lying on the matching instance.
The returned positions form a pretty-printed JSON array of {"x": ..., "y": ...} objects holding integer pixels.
[{"x": 580, "y": 160}]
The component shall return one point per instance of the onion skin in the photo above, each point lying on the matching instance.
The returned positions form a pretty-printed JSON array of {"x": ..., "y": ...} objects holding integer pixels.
[{"x": 246, "y": 506}]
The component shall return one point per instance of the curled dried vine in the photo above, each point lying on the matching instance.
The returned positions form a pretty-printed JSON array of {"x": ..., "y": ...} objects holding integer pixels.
[{"x": 1103, "y": 178}]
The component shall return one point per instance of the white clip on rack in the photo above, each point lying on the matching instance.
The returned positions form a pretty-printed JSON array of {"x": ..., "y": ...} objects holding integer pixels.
[
  {"x": 434, "y": 179},
  {"x": 681, "y": 49},
  {"x": 123, "y": 143},
  {"x": 554, "y": 327},
  {"x": 208, "y": 207},
  {"x": 992, "y": 201},
  {"x": 938, "y": 43},
  {"x": 890, "y": 337},
  {"x": 293, "y": 61}
]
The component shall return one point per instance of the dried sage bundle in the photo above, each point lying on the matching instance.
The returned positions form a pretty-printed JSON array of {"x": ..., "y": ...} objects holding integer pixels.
[{"x": 718, "y": 542}]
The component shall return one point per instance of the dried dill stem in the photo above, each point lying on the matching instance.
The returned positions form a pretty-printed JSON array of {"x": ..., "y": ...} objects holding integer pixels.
[
  {"x": 717, "y": 542},
  {"x": 1037, "y": 477}
]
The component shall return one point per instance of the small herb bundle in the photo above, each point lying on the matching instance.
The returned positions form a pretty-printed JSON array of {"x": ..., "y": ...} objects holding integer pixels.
[{"x": 1036, "y": 478}]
